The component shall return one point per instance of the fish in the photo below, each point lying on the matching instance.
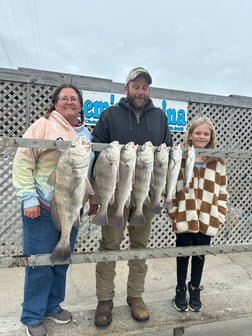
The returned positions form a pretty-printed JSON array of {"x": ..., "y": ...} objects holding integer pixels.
[
  {"x": 160, "y": 168},
  {"x": 71, "y": 191},
  {"x": 125, "y": 182},
  {"x": 172, "y": 174},
  {"x": 106, "y": 172},
  {"x": 189, "y": 165},
  {"x": 141, "y": 186}
]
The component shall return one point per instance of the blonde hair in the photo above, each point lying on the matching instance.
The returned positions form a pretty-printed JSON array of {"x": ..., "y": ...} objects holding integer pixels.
[{"x": 196, "y": 122}]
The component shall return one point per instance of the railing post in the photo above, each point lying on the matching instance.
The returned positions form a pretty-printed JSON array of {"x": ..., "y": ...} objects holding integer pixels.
[{"x": 179, "y": 331}]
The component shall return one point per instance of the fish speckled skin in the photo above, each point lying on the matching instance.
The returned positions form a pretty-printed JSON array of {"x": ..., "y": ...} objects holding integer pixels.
[
  {"x": 106, "y": 172},
  {"x": 141, "y": 186},
  {"x": 161, "y": 160},
  {"x": 125, "y": 182},
  {"x": 71, "y": 188},
  {"x": 172, "y": 176},
  {"x": 189, "y": 164}
]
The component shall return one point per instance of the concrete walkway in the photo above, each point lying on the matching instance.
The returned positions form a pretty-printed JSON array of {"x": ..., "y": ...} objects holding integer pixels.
[{"x": 223, "y": 273}]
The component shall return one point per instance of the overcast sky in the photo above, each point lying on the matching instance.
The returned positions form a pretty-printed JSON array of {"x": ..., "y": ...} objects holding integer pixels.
[{"x": 189, "y": 45}]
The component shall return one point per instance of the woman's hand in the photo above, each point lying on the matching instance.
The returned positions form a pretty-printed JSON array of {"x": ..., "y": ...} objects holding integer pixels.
[
  {"x": 32, "y": 212},
  {"x": 93, "y": 205}
]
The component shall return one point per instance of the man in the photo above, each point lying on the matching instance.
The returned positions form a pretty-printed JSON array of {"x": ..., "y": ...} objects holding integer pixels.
[{"x": 135, "y": 119}]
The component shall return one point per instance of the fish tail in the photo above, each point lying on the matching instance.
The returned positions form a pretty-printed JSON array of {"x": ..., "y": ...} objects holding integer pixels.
[
  {"x": 186, "y": 189},
  {"x": 60, "y": 253},
  {"x": 100, "y": 218},
  {"x": 137, "y": 219},
  {"x": 155, "y": 208},
  {"x": 168, "y": 204},
  {"x": 117, "y": 220}
]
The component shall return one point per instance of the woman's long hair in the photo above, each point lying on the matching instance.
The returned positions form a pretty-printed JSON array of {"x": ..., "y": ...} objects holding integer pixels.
[{"x": 55, "y": 98}]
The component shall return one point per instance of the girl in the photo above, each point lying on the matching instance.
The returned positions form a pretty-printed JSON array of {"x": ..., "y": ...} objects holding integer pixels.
[{"x": 198, "y": 214}]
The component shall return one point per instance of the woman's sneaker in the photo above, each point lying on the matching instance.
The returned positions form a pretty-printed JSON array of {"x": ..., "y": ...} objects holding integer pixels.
[
  {"x": 194, "y": 300},
  {"x": 38, "y": 329},
  {"x": 180, "y": 301},
  {"x": 63, "y": 316}
]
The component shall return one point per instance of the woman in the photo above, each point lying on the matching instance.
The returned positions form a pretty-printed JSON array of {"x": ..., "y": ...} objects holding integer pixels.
[
  {"x": 198, "y": 214},
  {"x": 44, "y": 287}
]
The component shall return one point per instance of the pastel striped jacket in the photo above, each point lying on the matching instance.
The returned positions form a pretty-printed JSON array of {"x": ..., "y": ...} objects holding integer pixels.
[{"x": 33, "y": 166}]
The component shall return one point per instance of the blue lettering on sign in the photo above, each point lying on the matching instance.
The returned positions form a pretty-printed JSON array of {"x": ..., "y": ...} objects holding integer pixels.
[
  {"x": 95, "y": 109},
  {"x": 174, "y": 117}
]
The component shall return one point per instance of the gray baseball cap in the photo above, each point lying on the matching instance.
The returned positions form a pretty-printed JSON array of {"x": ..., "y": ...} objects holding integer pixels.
[{"x": 134, "y": 73}]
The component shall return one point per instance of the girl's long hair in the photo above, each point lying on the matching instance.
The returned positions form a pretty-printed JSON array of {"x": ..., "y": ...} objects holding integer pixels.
[{"x": 199, "y": 121}]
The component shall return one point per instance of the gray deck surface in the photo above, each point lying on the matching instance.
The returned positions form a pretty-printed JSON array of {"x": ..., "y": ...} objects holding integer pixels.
[{"x": 227, "y": 282}]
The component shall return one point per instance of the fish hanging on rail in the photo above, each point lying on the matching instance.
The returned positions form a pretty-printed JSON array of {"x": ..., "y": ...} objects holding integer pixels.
[
  {"x": 160, "y": 168},
  {"x": 141, "y": 186},
  {"x": 106, "y": 172},
  {"x": 71, "y": 191},
  {"x": 125, "y": 182},
  {"x": 189, "y": 165},
  {"x": 172, "y": 176}
]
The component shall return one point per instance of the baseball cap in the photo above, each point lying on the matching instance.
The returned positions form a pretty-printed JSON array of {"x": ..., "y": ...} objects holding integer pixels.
[{"x": 137, "y": 72}]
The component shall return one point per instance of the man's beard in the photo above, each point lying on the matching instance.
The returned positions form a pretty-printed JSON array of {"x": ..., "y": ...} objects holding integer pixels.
[{"x": 137, "y": 103}]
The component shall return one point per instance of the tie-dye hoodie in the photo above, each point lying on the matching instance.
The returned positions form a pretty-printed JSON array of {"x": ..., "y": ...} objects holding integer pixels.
[{"x": 33, "y": 166}]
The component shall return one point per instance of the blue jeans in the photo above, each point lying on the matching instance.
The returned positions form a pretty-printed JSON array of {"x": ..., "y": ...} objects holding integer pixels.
[{"x": 44, "y": 286}]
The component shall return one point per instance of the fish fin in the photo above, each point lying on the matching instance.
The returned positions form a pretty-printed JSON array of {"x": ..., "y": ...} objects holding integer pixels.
[
  {"x": 186, "y": 189},
  {"x": 89, "y": 187},
  {"x": 89, "y": 191},
  {"x": 132, "y": 200},
  {"x": 74, "y": 185},
  {"x": 168, "y": 204},
  {"x": 147, "y": 200},
  {"x": 155, "y": 208},
  {"x": 133, "y": 177},
  {"x": 52, "y": 178},
  {"x": 112, "y": 200},
  {"x": 172, "y": 164},
  {"x": 60, "y": 253},
  {"x": 100, "y": 218},
  {"x": 116, "y": 220},
  {"x": 128, "y": 202},
  {"x": 54, "y": 214},
  {"x": 137, "y": 219},
  {"x": 77, "y": 222},
  {"x": 152, "y": 190}
]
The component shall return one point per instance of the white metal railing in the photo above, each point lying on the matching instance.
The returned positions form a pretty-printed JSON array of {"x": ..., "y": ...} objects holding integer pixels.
[
  {"x": 62, "y": 144},
  {"x": 120, "y": 255}
]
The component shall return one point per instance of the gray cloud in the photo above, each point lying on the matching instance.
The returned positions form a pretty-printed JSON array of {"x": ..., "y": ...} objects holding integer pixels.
[{"x": 201, "y": 46}]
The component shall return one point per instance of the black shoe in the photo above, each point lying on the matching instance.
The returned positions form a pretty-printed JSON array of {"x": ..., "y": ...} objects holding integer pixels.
[
  {"x": 103, "y": 313},
  {"x": 194, "y": 301},
  {"x": 180, "y": 302}
]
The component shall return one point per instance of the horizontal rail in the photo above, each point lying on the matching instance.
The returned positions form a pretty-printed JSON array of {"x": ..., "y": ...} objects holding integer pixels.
[
  {"x": 62, "y": 144},
  {"x": 117, "y": 255}
]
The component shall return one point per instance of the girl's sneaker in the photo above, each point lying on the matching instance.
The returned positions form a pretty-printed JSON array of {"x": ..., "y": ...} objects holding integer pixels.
[
  {"x": 180, "y": 301},
  {"x": 194, "y": 300}
]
